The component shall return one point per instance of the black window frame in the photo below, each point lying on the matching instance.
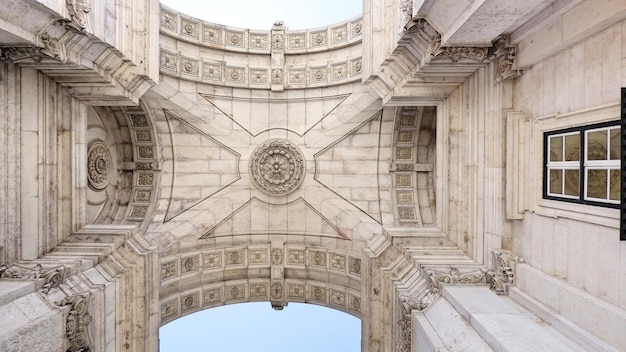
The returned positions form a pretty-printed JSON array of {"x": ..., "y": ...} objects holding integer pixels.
[{"x": 582, "y": 174}]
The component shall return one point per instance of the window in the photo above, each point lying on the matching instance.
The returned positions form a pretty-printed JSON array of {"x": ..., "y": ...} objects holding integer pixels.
[{"x": 582, "y": 164}]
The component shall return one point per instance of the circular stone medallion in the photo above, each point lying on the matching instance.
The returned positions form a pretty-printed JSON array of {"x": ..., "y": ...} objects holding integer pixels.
[
  {"x": 277, "y": 167},
  {"x": 98, "y": 165}
]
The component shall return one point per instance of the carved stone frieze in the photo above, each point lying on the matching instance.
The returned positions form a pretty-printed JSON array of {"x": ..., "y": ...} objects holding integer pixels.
[
  {"x": 504, "y": 273},
  {"x": 78, "y": 11},
  {"x": 504, "y": 57},
  {"x": 277, "y": 167},
  {"x": 455, "y": 53},
  {"x": 52, "y": 277},
  {"x": 454, "y": 276},
  {"x": 25, "y": 53},
  {"x": 77, "y": 322}
]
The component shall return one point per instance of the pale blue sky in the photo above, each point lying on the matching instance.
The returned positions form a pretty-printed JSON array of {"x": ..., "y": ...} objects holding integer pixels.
[
  {"x": 260, "y": 14},
  {"x": 256, "y": 326}
]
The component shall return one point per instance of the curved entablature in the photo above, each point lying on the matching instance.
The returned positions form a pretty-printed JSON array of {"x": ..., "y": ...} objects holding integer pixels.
[
  {"x": 275, "y": 272},
  {"x": 278, "y": 59}
]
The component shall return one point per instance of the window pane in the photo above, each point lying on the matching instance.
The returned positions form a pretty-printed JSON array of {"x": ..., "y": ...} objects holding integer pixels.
[
  {"x": 556, "y": 181},
  {"x": 615, "y": 144},
  {"x": 596, "y": 145},
  {"x": 596, "y": 183},
  {"x": 572, "y": 147},
  {"x": 615, "y": 185},
  {"x": 572, "y": 182},
  {"x": 556, "y": 148}
]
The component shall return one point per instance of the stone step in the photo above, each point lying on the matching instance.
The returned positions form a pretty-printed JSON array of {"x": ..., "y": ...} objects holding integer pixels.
[
  {"x": 506, "y": 326},
  {"x": 442, "y": 328}
]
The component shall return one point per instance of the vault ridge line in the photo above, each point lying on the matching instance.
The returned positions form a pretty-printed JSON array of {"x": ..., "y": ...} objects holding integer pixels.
[
  {"x": 169, "y": 115},
  {"x": 342, "y": 98},
  {"x": 378, "y": 115}
]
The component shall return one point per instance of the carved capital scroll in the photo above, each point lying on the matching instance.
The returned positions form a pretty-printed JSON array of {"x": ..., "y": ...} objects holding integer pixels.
[
  {"x": 504, "y": 57},
  {"x": 504, "y": 273},
  {"x": 77, "y": 322},
  {"x": 52, "y": 277}
]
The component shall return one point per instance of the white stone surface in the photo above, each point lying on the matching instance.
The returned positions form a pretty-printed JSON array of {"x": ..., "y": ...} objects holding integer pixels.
[{"x": 182, "y": 227}]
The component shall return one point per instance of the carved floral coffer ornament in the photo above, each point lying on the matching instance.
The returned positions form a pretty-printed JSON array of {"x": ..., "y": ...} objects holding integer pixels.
[
  {"x": 98, "y": 165},
  {"x": 277, "y": 167}
]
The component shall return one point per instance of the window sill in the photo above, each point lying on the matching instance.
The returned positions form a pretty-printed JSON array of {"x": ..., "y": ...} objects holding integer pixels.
[{"x": 609, "y": 217}]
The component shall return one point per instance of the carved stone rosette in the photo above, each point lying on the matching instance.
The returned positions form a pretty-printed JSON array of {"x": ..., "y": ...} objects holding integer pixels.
[
  {"x": 98, "y": 165},
  {"x": 277, "y": 167},
  {"x": 504, "y": 274},
  {"x": 77, "y": 322}
]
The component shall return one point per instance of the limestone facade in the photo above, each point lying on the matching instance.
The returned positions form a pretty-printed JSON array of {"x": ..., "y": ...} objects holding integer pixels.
[{"x": 390, "y": 166}]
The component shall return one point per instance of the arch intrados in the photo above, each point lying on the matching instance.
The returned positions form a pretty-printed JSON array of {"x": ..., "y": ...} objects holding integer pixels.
[{"x": 192, "y": 281}]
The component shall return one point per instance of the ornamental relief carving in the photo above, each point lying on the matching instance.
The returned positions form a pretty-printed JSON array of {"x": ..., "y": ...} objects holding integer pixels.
[
  {"x": 52, "y": 277},
  {"x": 504, "y": 57},
  {"x": 454, "y": 53},
  {"x": 278, "y": 41},
  {"x": 77, "y": 322},
  {"x": 277, "y": 167},
  {"x": 278, "y": 76},
  {"x": 98, "y": 165},
  {"x": 78, "y": 11}
]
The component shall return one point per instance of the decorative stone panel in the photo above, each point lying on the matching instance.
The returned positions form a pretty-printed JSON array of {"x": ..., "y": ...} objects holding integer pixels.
[
  {"x": 235, "y": 39},
  {"x": 169, "y": 269},
  {"x": 189, "y": 264},
  {"x": 212, "y": 35},
  {"x": 235, "y": 257},
  {"x": 190, "y": 28},
  {"x": 354, "y": 266},
  {"x": 317, "y": 258},
  {"x": 235, "y": 292},
  {"x": 212, "y": 296},
  {"x": 319, "y": 39},
  {"x": 296, "y": 41},
  {"x": 317, "y": 294},
  {"x": 257, "y": 256},
  {"x": 259, "y": 41},
  {"x": 259, "y": 291},
  {"x": 190, "y": 302},
  {"x": 337, "y": 261}
]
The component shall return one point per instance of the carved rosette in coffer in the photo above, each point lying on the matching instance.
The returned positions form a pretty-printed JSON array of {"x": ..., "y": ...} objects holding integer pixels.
[
  {"x": 412, "y": 167},
  {"x": 277, "y": 167}
]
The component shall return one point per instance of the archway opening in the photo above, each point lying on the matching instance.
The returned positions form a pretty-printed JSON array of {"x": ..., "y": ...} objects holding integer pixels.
[
  {"x": 257, "y": 327},
  {"x": 260, "y": 14}
]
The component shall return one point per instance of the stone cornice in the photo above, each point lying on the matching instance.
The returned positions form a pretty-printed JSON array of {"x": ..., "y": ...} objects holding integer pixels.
[
  {"x": 420, "y": 60},
  {"x": 64, "y": 46}
]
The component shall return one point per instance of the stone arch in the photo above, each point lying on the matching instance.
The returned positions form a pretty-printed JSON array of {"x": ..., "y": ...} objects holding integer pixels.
[
  {"x": 122, "y": 165},
  {"x": 278, "y": 273}
]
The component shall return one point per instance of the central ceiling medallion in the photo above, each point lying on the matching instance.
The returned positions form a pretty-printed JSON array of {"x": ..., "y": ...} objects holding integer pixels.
[{"x": 277, "y": 167}]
